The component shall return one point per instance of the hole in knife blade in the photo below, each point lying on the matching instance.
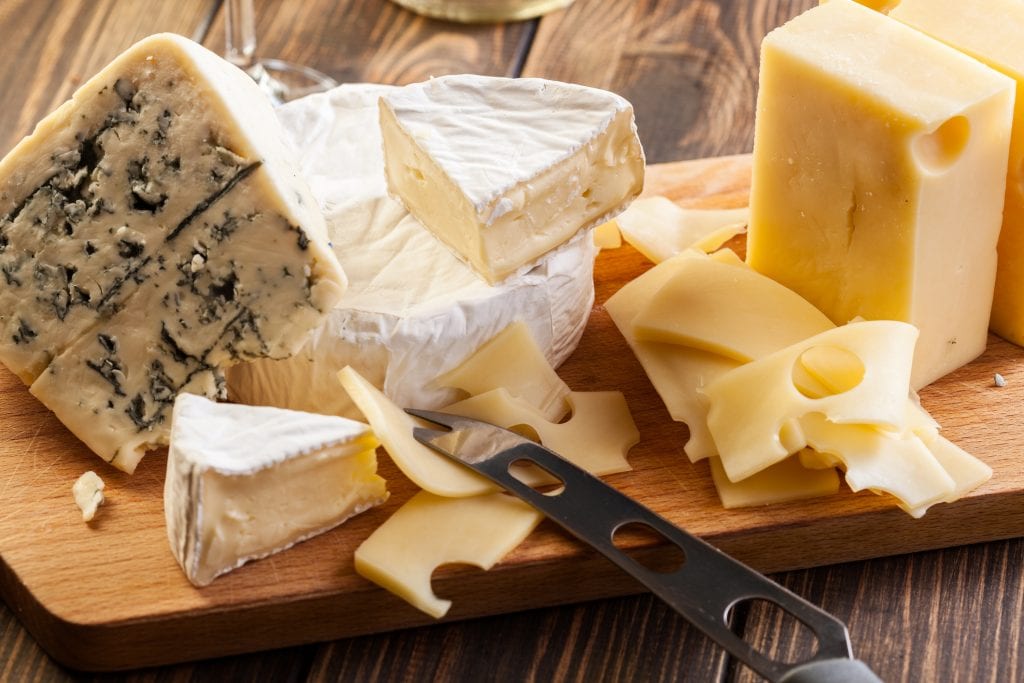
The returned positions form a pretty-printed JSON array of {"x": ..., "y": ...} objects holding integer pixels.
[
  {"x": 648, "y": 547},
  {"x": 536, "y": 477},
  {"x": 786, "y": 639}
]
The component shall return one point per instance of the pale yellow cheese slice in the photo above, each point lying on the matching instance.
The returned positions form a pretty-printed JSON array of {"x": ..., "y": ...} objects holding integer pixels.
[
  {"x": 512, "y": 360},
  {"x": 596, "y": 437},
  {"x": 750, "y": 405},
  {"x": 783, "y": 482},
  {"x": 967, "y": 472},
  {"x": 659, "y": 229},
  {"x": 607, "y": 235},
  {"x": 898, "y": 464},
  {"x": 674, "y": 371},
  {"x": 393, "y": 426},
  {"x": 429, "y": 531},
  {"x": 734, "y": 312}
]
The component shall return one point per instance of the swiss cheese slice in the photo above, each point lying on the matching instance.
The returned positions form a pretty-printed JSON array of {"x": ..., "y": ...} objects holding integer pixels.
[
  {"x": 730, "y": 311},
  {"x": 659, "y": 228},
  {"x": 596, "y": 437},
  {"x": 429, "y": 531},
  {"x": 785, "y": 481},
  {"x": 750, "y": 406}
]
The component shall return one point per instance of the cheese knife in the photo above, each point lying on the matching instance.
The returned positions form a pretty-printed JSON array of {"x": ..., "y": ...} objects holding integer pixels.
[{"x": 704, "y": 589}]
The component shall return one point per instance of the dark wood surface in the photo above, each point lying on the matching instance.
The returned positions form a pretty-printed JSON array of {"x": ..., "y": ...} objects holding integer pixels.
[{"x": 690, "y": 68}]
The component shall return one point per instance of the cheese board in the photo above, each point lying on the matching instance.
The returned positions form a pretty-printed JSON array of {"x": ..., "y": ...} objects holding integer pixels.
[{"x": 109, "y": 595}]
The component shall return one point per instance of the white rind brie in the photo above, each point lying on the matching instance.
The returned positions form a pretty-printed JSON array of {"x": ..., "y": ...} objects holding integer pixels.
[
  {"x": 412, "y": 309},
  {"x": 505, "y": 169},
  {"x": 244, "y": 482}
]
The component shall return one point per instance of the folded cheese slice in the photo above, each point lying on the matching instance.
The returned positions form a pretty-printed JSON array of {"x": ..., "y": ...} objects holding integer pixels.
[
  {"x": 244, "y": 482},
  {"x": 153, "y": 231},
  {"x": 503, "y": 170}
]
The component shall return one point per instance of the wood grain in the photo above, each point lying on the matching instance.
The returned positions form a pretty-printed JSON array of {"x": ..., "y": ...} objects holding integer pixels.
[
  {"x": 689, "y": 68},
  {"x": 123, "y": 601},
  {"x": 376, "y": 41},
  {"x": 52, "y": 46}
]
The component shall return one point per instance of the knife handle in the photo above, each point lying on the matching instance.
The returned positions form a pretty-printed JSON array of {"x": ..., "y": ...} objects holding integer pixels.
[{"x": 707, "y": 586}]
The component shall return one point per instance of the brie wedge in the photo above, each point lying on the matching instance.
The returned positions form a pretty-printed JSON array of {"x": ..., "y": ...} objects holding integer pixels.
[
  {"x": 503, "y": 170},
  {"x": 245, "y": 482},
  {"x": 412, "y": 311}
]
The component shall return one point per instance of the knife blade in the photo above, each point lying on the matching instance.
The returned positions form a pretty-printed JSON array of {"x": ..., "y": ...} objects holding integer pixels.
[{"x": 704, "y": 589}]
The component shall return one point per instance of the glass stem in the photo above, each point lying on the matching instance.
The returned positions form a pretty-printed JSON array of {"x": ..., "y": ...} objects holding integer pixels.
[{"x": 239, "y": 33}]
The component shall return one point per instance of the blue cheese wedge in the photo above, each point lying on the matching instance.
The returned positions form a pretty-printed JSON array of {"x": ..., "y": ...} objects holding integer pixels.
[
  {"x": 153, "y": 231},
  {"x": 245, "y": 482},
  {"x": 413, "y": 310},
  {"x": 503, "y": 170}
]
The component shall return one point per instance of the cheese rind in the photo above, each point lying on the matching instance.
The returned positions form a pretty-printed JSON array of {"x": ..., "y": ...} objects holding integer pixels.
[
  {"x": 503, "y": 170},
  {"x": 413, "y": 310},
  {"x": 875, "y": 149},
  {"x": 154, "y": 230},
  {"x": 244, "y": 482}
]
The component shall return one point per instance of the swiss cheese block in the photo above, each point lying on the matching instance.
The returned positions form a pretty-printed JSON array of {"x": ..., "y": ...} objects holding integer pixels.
[
  {"x": 879, "y": 164},
  {"x": 990, "y": 31},
  {"x": 154, "y": 230},
  {"x": 412, "y": 311},
  {"x": 244, "y": 482},
  {"x": 503, "y": 170}
]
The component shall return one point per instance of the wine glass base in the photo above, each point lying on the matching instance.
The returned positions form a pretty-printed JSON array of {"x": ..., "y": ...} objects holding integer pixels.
[{"x": 284, "y": 81}]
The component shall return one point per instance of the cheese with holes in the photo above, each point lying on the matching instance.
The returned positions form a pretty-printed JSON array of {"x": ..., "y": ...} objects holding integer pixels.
[
  {"x": 752, "y": 406},
  {"x": 503, "y": 170},
  {"x": 153, "y": 231},
  {"x": 244, "y": 482},
  {"x": 430, "y": 531},
  {"x": 413, "y": 310},
  {"x": 785, "y": 481},
  {"x": 596, "y": 437},
  {"x": 879, "y": 168},
  {"x": 990, "y": 30}
]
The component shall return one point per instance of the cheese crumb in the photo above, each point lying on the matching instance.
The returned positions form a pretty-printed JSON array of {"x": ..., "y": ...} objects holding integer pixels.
[
  {"x": 1000, "y": 382},
  {"x": 88, "y": 492}
]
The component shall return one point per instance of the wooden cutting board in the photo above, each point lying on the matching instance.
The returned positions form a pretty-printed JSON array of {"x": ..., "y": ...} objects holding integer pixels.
[{"x": 110, "y": 595}]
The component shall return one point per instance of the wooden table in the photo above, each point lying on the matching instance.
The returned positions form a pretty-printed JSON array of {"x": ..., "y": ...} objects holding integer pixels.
[{"x": 690, "y": 68}]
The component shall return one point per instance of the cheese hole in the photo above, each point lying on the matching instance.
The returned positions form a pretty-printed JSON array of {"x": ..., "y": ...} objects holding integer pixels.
[
  {"x": 801, "y": 643},
  {"x": 822, "y": 371},
  {"x": 416, "y": 173},
  {"x": 536, "y": 477},
  {"x": 648, "y": 547},
  {"x": 940, "y": 149}
]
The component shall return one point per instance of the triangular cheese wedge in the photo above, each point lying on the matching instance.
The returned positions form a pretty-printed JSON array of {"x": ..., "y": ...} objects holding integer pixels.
[
  {"x": 153, "y": 231},
  {"x": 244, "y": 482},
  {"x": 505, "y": 169}
]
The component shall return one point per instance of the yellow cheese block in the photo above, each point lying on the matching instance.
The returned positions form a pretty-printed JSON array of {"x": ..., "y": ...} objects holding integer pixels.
[
  {"x": 879, "y": 166},
  {"x": 755, "y": 410},
  {"x": 990, "y": 31},
  {"x": 734, "y": 312},
  {"x": 428, "y": 531}
]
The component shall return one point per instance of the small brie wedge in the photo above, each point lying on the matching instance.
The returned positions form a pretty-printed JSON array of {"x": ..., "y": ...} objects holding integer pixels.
[{"x": 244, "y": 482}]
